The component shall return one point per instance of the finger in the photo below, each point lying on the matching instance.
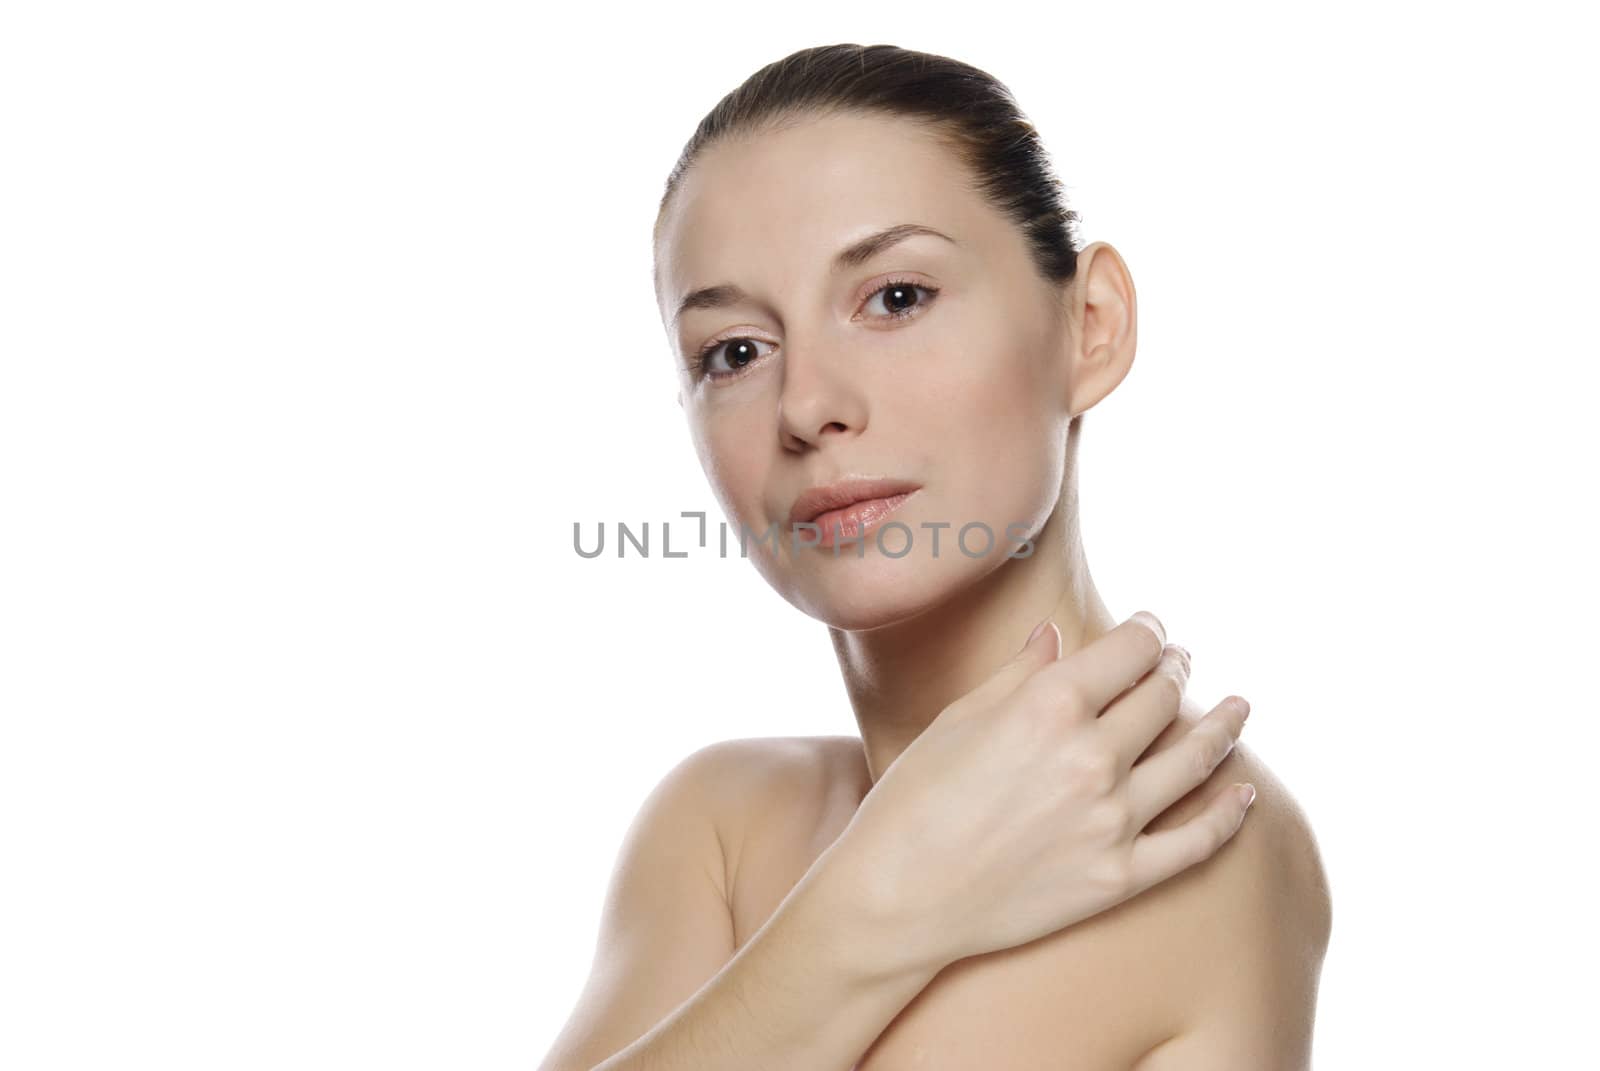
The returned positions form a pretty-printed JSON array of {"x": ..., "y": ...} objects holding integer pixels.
[
  {"x": 1097, "y": 673},
  {"x": 1173, "y": 772},
  {"x": 1158, "y": 856},
  {"x": 1139, "y": 715},
  {"x": 1043, "y": 646}
]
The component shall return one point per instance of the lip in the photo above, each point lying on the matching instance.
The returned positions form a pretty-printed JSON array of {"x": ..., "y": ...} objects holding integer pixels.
[
  {"x": 852, "y": 521},
  {"x": 844, "y": 494},
  {"x": 814, "y": 501}
]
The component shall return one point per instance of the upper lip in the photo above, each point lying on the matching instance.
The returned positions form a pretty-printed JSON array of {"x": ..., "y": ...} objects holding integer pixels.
[{"x": 815, "y": 501}]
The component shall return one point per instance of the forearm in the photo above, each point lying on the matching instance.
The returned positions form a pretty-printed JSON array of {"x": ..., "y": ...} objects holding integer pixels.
[{"x": 810, "y": 991}]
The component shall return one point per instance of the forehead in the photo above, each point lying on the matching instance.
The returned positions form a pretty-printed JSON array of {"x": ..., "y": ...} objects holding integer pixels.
[{"x": 777, "y": 205}]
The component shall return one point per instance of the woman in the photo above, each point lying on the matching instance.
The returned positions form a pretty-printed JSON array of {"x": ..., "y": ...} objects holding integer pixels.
[{"x": 877, "y": 297}]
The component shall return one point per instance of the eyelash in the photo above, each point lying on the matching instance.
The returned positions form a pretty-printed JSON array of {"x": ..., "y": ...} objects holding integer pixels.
[{"x": 701, "y": 358}]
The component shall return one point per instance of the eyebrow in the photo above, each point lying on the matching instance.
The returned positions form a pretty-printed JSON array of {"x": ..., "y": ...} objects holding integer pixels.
[{"x": 851, "y": 256}]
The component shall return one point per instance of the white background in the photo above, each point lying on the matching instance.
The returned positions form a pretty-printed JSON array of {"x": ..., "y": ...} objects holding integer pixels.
[{"x": 321, "y": 323}]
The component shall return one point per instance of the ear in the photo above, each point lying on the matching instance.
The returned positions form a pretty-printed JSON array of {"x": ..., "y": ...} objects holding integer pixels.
[
  {"x": 680, "y": 398},
  {"x": 1103, "y": 312}
]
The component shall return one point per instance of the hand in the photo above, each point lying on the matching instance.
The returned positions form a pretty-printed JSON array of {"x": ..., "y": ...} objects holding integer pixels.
[{"x": 1019, "y": 810}]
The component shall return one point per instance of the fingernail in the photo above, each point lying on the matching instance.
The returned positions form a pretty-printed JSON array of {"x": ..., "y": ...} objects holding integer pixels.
[
  {"x": 1148, "y": 619},
  {"x": 1247, "y": 794}
]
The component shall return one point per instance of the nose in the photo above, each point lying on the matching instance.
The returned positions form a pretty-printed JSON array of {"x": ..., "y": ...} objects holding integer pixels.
[{"x": 818, "y": 398}]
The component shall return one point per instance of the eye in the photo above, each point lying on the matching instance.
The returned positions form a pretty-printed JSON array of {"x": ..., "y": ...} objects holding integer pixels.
[
  {"x": 900, "y": 297},
  {"x": 741, "y": 352},
  {"x": 900, "y": 302}
]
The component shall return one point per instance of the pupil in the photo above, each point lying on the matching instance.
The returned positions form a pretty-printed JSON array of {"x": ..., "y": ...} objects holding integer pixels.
[
  {"x": 742, "y": 346},
  {"x": 897, "y": 292}
]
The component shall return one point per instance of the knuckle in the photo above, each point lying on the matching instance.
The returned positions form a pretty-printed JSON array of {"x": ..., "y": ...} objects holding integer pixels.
[
  {"x": 1111, "y": 872},
  {"x": 1070, "y": 697},
  {"x": 1209, "y": 751},
  {"x": 1218, "y": 746},
  {"x": 1093, "y": 770},
  {"x": 1225, "y": 825},
  {"x": 1041, "y": 725},
  {"x": 1109, "y": 818}
]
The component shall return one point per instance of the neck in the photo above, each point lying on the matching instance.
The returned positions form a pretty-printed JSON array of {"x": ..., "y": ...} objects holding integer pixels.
[{"x": 899, "y": 677}]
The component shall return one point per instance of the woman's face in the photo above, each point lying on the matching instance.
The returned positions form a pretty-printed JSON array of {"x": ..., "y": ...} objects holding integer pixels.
[{"x": 813, "y": 378}]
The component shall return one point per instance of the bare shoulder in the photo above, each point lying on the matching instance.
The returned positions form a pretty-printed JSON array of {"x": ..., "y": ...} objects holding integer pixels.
[
  {"x": 1278, "y": 852},
  {"x": 754, "y": 771},
  {"x": 779, "y": 790},
  {"x": 1242, "y": 935},
  {"x": 770, "y": 762},
  {"x": 1276, "y": 838}
]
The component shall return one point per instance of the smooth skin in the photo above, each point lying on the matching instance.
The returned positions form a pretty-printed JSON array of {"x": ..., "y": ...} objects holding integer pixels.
[
  {"x": 1020, "y": 810},
  {"x": 727, "y": 895},
  {"x": 873, "y": 958},
  {"x": 936, "y": 870}
]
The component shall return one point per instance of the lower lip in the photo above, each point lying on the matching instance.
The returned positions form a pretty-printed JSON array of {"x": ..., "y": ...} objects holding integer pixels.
[{"x": 851, "y": 521}]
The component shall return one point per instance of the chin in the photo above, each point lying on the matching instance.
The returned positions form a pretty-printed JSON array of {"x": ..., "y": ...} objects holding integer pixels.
[{"x": 858, "y": 595}]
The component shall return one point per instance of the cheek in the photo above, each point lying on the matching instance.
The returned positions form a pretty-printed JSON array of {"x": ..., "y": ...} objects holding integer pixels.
[
  {"x": 1005, "y": 444},
  {"x": 734, "y": 469}
]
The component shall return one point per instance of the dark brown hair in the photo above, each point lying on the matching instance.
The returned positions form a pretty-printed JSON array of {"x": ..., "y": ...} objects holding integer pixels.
[{"x": 969, "y": 110}]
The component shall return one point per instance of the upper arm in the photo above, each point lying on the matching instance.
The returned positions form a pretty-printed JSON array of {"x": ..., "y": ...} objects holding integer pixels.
[
  {"x": 665, "y": 927},
  {"x": 1252, "y": 956}
]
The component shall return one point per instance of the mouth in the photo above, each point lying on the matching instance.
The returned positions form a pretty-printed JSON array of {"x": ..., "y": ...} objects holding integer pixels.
[
  {"x": 845, "y": 509},
  {"x": 851, "y": 521}
]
